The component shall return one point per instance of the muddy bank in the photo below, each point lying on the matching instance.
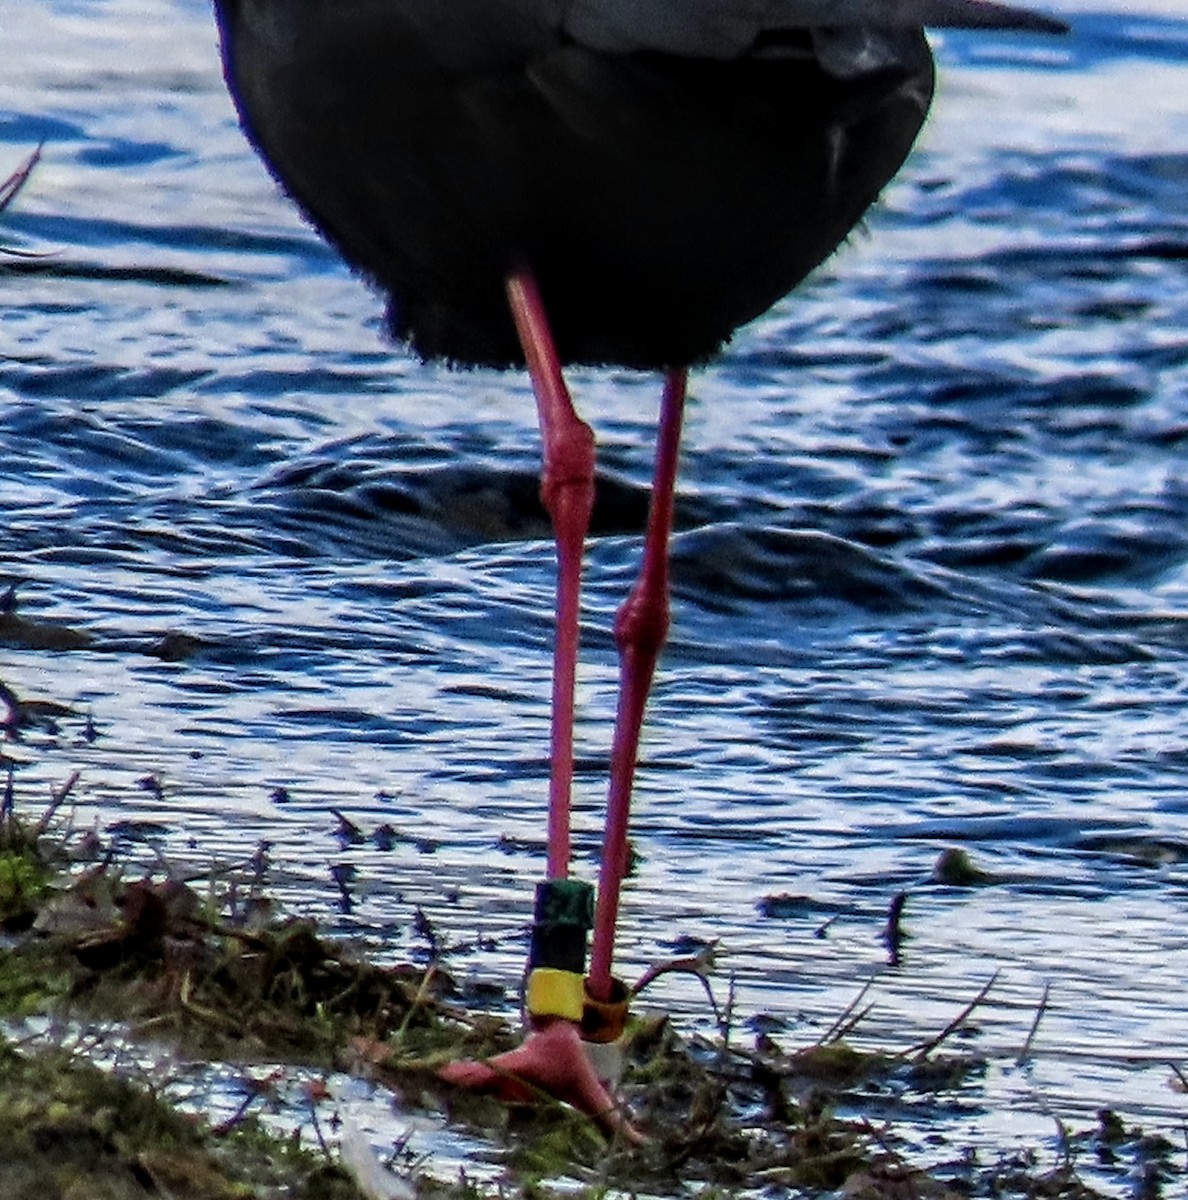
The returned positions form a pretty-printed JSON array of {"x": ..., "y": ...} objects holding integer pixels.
[{"x": 209, "y": 968}]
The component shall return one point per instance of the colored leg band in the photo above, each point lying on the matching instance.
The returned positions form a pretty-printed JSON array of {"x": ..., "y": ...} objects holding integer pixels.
[
  {"x": 605, "y": 1020},
  {"x": 553, "y": 993},
  {"x": 563, "y": 916}
]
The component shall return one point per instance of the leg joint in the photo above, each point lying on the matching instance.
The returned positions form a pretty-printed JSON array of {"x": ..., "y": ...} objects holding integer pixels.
[
  {"x": 568, "y": 473},
  {"x": 641, "y": 624}
]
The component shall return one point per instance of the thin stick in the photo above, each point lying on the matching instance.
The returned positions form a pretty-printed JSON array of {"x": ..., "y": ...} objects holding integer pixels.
[
  {"x": 1025, "y": 1052},
  {"x": 57, "y": 799},
  {"x": 17, "y": 180},
  {"x": 843, "y": 1024},
  {"x": 924, "y": 1049},
  {"x": 693, "y": 964}
]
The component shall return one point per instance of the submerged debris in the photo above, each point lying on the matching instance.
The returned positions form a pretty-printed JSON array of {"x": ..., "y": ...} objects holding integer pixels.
[{"x": 955, "y": 868}]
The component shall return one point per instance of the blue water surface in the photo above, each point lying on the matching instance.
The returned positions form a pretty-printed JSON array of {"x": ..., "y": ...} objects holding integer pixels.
[{"x": 931, "y": 572}]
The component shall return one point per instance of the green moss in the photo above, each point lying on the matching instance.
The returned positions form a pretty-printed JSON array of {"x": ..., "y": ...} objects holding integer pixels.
[
  {"x": 32, "y": 982},
  {"x": 22, "y": 883}
]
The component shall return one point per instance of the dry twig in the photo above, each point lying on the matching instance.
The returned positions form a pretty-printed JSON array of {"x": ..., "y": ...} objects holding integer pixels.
[
  {"x": 924, "y": 1049},
  {"x": 1025, "y": 1051}
]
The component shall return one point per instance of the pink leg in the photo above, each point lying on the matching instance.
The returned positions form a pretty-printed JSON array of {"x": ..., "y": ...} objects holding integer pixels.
[
  {"x": 551, "y": 1058},
  {"x": 640, "y": 630},
  {"x": 567, "y": 492}
]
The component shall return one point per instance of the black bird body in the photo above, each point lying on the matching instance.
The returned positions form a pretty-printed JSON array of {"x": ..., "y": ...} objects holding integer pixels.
[{"x": 661, "y": 200}]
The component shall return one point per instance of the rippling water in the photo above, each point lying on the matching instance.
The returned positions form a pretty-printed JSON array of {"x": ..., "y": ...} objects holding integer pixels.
[{"x": 932, "y": 574}]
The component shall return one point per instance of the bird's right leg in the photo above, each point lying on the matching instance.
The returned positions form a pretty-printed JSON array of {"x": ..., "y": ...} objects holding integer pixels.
[
  {"x": 552, "y": 1058},
  {"x": 567, "y": 492}
]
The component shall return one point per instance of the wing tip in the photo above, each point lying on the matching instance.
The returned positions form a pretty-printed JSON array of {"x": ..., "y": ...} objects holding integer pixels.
[{"x": 988, "y": 14}]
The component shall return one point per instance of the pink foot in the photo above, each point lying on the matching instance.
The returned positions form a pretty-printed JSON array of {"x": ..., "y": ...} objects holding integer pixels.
[{"x": 550, "y": 1060}]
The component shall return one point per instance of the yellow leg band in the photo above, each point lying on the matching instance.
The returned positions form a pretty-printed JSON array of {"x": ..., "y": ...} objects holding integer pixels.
[{"x": 554, "y": 993}]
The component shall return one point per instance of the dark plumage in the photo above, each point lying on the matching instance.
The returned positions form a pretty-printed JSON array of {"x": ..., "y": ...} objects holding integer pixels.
[{"x": 660, "y": 201}]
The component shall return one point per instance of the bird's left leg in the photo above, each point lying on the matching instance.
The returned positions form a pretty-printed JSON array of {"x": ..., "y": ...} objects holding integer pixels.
[{"x": 640, "y": 631}]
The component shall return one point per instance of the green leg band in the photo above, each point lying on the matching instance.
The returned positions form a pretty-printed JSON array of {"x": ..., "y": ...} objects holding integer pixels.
[{"x": 563, "y": 916}]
